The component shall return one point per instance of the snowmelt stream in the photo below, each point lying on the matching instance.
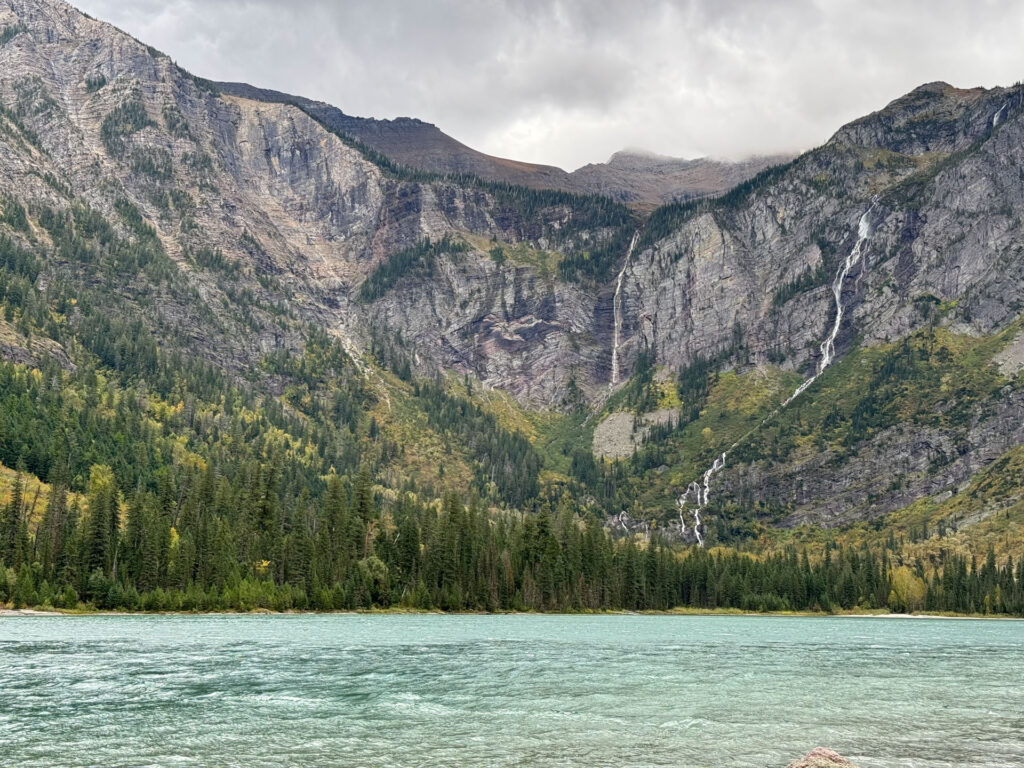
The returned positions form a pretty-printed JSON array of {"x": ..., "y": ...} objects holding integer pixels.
[
  {"x": 699, "y": 493},
  {"x": 617, "y": 310}
]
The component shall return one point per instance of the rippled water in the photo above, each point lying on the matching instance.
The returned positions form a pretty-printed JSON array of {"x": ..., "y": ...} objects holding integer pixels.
[{"x": 355, "y": 690}]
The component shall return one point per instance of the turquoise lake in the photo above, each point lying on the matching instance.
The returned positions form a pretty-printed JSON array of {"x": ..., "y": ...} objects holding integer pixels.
[{"x": 428, "y": 690}]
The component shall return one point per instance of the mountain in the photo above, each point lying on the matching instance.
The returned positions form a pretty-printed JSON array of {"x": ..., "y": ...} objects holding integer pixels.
[
  {"x": 649, "y": 180},
  {"x": 414, "y": 143},
  {"x": 630, "y": 177},
  {"x": 934, "y": 181},
  {"x": 222, "y": 298}
]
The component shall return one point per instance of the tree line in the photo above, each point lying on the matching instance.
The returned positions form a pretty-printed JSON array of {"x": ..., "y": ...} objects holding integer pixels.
[{"x": 207, "y": 542}]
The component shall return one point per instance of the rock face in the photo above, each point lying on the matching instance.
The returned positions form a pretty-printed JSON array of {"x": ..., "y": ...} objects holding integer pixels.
[
  {"x": 277, "y": 218},
  {"x": 299, "y": 216},
  {"x": 825, "y": 491},
  {"x": 506, "y": 324},
  {"x": 944, "y": 232},
  {"x": 821, "y": 757},
  {"x": 943, "y": 227}
]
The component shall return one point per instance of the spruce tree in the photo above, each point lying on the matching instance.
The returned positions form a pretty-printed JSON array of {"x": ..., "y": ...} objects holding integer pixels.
[
  {"x": 101, "y": 537},
  {"x": 12, "y": 525}
]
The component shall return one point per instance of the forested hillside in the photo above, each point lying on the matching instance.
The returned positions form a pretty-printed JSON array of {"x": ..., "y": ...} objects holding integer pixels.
[{"x": 249, "y": 361}]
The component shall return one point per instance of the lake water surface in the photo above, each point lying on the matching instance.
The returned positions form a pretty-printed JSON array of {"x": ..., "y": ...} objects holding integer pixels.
[{"x": 427, "y": 690}]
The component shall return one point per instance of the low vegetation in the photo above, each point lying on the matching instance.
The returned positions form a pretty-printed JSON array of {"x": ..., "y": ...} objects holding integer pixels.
[{"x": 418, "y": 261}]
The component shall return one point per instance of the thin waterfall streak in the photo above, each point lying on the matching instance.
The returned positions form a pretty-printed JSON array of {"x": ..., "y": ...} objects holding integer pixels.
[
  {"x": 617, "y": 311},
  {"x": 997, "y": 118},
  {"x": 828, "y": 346},
  {"x": 701, "y": 493}
]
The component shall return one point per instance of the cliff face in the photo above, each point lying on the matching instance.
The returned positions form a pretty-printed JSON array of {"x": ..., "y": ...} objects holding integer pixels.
[
  {"x": 942, "y": 226},
  {"x": 275, "y": 218},
  {"x": 416, "y": 144},
  {"x": 301, "y": 216},
  {"x": 936, "y": 176}
]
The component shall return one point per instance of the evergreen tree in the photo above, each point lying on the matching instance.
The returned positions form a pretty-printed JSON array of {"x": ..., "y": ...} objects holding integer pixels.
[
  {"x": 13, "y": 531},
  {"x": 103, "y": 526}
]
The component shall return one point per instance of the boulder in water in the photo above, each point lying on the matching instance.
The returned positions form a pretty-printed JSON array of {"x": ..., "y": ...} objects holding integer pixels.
[{"x": 821, "y": 758}]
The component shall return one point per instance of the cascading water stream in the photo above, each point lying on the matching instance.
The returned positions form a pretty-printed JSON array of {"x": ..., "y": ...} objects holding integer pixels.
[
  {"x": 997, "y": 118},
  {"x": 699, "y": 493},
  {"x": 617, "y": 311},
  {"x": 828, "y": 346},
  {"x": 1002, "y": 112}
]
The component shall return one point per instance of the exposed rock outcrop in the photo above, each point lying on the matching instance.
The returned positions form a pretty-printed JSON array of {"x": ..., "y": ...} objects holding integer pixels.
[
  {"x": 414, "y": 143},
  {"x": 820, "y": 757}
]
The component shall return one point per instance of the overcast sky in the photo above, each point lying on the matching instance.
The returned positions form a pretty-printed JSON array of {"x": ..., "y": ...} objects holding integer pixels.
[{"x": 568, "y": 82}]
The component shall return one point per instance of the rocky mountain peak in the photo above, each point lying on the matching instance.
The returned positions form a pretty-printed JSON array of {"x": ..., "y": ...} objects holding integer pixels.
[
  {"x": 633, "y": 157},
  {"x": 933, "y": 118}
]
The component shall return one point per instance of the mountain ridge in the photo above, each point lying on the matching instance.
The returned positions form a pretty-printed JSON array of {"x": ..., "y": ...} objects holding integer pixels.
[
  {"x": 423, "y": 146},
  {"x": 233, "y": 232}
]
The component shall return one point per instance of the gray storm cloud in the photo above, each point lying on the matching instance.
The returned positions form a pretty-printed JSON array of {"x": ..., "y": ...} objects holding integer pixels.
[{"x": 568, "y": 82}]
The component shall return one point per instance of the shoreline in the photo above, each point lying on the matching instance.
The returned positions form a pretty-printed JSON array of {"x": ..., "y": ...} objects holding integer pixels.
[{"x": 24, "y": 612}]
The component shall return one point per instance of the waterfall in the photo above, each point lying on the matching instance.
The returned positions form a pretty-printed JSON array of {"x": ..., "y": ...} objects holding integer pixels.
[
  {"x": 828, "y": 346},
  {"x": 997, "y": 118},
  {"x": 617, "y": 310},
  {"x": 699, "y": 493},
  {"x": 1001, "y": 113}
]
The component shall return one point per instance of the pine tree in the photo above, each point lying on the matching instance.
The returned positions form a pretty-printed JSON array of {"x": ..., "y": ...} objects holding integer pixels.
[
  {"x": 52, "y": 530},
  {"x": 101, "y": 538},
  {"x": 12, "y": 525}
]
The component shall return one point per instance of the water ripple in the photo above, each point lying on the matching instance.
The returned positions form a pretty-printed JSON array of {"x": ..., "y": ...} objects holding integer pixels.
[{"x": 544, "y": 691}]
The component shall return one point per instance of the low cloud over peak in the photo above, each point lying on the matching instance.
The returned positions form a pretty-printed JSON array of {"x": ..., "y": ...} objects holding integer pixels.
[{"x": 572, "y": 81}]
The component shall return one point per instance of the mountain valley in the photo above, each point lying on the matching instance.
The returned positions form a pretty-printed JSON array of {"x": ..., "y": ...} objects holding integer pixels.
[{"x": 247, "y": 322}]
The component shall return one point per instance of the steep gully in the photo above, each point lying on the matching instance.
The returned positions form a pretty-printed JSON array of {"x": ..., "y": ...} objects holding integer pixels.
[{"x": 698, "y": 494}]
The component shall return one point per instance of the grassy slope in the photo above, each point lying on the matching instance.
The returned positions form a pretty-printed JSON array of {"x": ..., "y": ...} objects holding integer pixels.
[
  {"x": 519, "y": 254},
  {"x": 428, "y": 460},
  {"x": 735, "y": 408},
  {"x": 933, "y": 379}
]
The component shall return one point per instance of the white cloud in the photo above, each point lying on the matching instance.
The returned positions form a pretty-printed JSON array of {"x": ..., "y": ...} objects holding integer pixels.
[{"x": 570, "y": 81}]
